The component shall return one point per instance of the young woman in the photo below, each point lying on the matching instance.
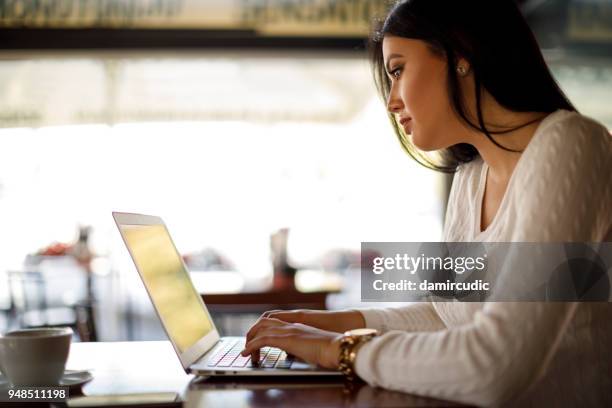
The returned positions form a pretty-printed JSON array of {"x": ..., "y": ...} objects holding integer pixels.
[{"x": 468, "y": 92}]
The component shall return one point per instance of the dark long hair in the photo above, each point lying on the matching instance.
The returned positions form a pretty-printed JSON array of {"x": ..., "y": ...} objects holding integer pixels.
[{"x": 504, "y": 57}]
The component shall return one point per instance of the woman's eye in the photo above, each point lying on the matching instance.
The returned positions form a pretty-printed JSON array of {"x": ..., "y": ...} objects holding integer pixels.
[{"x": 396, "y": 72}]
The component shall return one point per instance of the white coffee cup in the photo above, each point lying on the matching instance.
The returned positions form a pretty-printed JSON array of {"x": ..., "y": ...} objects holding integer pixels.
[{"x": 35, "y": 357}]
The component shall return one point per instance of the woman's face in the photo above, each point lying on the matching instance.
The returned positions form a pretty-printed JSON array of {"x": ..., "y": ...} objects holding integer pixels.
[{"x": 418, "y": 94}]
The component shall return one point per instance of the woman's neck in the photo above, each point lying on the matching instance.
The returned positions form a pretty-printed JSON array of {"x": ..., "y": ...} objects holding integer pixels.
[{"x": 502, "y": 162}]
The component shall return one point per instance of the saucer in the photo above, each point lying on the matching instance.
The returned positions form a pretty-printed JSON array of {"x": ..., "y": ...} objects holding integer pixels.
[{"x": 70, "y": 379}]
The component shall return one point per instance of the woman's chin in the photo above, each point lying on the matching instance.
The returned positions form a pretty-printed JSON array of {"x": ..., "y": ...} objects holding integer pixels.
[{"x": 425, "y": 144}]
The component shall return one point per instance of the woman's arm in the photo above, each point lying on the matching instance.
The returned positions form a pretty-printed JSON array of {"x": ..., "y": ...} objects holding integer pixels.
[
  {"x": 313, "y": 335},
  {"x": 334, "y": 321},
  {"x": 412, "y": 318},
  {"x": 504, "y": 349}
]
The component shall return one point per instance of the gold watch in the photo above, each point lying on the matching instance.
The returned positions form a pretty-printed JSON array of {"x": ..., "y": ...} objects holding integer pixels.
[{"x": 348, "y": 348}]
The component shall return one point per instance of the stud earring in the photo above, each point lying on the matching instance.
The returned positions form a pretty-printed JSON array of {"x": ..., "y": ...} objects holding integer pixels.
[{"x": 462, "y": 70}]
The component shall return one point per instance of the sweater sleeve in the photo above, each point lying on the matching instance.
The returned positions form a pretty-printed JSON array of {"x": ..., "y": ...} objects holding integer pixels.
[
  {"x": 496, "y": 356},
  {"x": 412, "y": 318}
]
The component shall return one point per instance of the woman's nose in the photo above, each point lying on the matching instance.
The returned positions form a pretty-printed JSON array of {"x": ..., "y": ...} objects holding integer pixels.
[{"x": 394, "y": 105}]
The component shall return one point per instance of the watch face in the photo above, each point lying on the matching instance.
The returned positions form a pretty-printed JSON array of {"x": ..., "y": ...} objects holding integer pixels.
[{"x": 361, "y": 332}]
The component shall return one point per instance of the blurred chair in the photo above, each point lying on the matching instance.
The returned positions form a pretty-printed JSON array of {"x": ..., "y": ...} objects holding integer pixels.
[
  {"x": 42, "y": 298},
  {"x": 6, "y": 311},
  {"x": 6, "y": 314}
]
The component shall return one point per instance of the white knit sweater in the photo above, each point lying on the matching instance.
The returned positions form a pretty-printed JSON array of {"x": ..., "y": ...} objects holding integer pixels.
[{"x": 519, "y": 354}]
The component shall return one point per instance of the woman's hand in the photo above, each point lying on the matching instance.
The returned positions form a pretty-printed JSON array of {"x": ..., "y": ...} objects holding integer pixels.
[
  {"x": 308, "y": 343},
  {"x": 338, "y": 321}
]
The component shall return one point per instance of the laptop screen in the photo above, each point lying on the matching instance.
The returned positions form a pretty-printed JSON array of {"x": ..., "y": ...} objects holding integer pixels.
[{"x": 163, "y": 273}]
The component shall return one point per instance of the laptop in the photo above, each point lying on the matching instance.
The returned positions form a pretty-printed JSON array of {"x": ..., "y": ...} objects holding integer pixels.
[{"x": 183, "y": 314}]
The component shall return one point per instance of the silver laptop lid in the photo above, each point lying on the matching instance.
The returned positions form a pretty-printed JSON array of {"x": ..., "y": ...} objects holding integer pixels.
[{"x": 179, "y": 306}]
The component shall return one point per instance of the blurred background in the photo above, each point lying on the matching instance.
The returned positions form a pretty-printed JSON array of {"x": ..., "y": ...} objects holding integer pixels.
[{"x": 251, "y": 126}]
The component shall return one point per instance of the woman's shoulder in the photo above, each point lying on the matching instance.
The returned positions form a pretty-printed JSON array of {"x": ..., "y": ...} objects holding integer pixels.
[
  {"x": 568, "y": 142},
  {"x": 563, "y": 187},
  {"x": 572, "y": 133}
]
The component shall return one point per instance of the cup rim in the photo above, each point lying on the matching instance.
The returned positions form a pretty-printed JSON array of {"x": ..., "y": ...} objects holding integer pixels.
[{"x": 43, "y": 332}]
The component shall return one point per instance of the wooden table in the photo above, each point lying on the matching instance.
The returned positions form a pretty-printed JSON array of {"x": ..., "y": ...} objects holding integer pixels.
[
  {"x": 152, "y": 367},
  {"x": 287, "y": 296},
  {"x": 258, "y": 302}
]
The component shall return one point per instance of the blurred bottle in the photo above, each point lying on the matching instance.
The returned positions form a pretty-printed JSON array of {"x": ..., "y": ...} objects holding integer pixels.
[
  {"x": 81, "y": 250},
  {"x": 284, "y": 273},
  {"x": 83, "y": 254}
]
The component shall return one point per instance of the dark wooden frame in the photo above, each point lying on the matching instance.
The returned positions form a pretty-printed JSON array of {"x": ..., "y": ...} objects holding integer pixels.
[{"x": 96, "y": 38}]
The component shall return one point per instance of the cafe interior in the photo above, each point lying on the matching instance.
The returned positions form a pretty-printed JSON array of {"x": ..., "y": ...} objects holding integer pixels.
[{"x": 253, "y": 128}]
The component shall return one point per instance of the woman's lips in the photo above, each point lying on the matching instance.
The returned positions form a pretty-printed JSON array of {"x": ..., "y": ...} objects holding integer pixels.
[{"x": 406, "y": 124}]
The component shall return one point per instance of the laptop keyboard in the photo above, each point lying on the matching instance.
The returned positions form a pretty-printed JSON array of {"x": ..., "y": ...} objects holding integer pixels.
[{"x": 229, "y": 356}]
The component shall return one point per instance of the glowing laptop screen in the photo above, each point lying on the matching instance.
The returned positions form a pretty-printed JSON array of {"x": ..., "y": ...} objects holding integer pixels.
[{"x": 163, "y": 273}]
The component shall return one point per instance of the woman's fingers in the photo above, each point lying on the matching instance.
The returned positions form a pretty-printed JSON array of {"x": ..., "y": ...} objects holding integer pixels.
[
  {"x": 269, "y": 312},
  {"x": 279, "y": 340},
  {"x": 310, "y": 344},
  {"x": 277, "y": 314},
  {"x": 267, "y": 337},
  {"x": 262, "y": 323}
]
